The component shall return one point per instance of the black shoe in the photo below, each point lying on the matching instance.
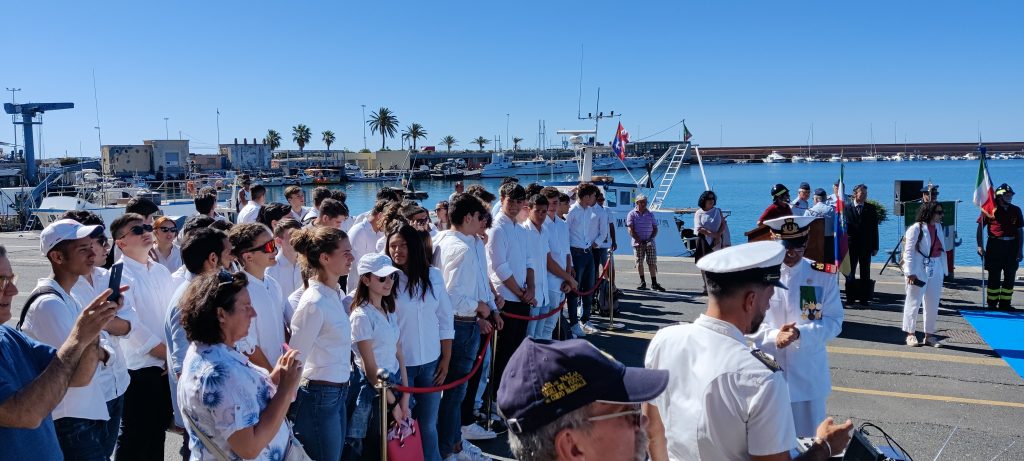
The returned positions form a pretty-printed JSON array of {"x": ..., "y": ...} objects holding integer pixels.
[
  {"x": 642, "y": 287},
  {"x": 657, "y": 287}
]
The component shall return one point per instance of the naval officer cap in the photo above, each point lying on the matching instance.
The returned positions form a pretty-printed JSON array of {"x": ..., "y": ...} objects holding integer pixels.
[
  {"x": 791, "y": 230},
  {"x": 749, "y": 262}
]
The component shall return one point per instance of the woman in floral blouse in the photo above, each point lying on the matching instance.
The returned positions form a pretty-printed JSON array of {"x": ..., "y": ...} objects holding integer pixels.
[{"x": 237, "y": 407}]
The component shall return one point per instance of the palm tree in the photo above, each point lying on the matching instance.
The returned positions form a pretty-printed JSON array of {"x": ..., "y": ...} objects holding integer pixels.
[
  {"x": 481, "y": 141},
  {"x": 328, "y": 137},
  {"x": 414, "y": 132},
  {"x": 384, "y": 122},
  {"x": 273, "y": 139},
  {"x": 515, "y": 143},
  {"x": 449, "y": 141},
  {"x": 300, "y": 135}
]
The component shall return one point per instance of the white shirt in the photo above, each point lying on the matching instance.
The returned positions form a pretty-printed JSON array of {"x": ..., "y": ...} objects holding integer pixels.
[
  {"x": 603, "y": 216},
  {"x": 179, "y": 277},
  {"x": 266, "y": 331},
  {"x": 458, "y": 257},
  {"x": 224, "y": 394},
  {"x": 115, "y": 383},
  {"x": 287, "y": 275},
  {"x": 538, "y": 249},
  {"x": 508, "y": 255},
  {"x": 249, "y": 212},
  {"x": 918, "y": 245},
  {"x": 805, "y": 362},
  {"x": 369, "y": 323},
  {"x": 582, "y": 225},
  {"x": 721, "y": 402},
  {"x": 172, "y": 262},
  {"x": 322, "y": 333},
  {"x": 558, "y": 245},
  {"x": 364, "y": 241},
  {"x": 50, "y": 320},
  {"x": 300, "y": 215},
  {"x": 423, "y": 321},
  {"x": 150, "y": 289}
]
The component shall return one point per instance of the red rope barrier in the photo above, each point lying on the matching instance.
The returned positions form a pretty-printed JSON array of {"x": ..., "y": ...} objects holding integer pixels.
[
  {"x": 550, "y": 313},
  {"x": 457, "y": 382},
  {"x": 600, "y": 280}
]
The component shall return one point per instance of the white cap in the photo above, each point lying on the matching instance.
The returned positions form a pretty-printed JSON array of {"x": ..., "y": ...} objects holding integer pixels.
[
  {"x": 376, "y": 264},
  {"x": 65, "y": 229},
  {"x": 789, "y": 227},
  {"x": 762, "y": 259}
]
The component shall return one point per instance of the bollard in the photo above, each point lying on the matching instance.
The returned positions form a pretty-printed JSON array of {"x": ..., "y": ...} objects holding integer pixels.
[
  {"x": 382, "y": 388},
  {"x": 491, "y": 391}
]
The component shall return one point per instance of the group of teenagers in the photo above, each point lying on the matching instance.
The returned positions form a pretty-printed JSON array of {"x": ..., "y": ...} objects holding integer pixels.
[{"x": 255, "y": 338}]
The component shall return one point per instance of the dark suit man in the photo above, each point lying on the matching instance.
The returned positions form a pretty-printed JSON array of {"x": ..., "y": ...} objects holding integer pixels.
[{"x": 862, "y": 228}]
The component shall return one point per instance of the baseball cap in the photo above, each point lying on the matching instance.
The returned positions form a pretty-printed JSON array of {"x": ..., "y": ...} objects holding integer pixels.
[
  {"x": 65, "y": 229},
  {"x": 805, "y": 186},
  {"x": 376, "y": 264},
  {"x": 546, "y": 379},
  {"x": 820, "y": 192}
]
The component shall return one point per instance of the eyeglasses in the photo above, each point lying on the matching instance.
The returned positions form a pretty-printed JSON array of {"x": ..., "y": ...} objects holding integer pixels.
[
  {"x": 6, "y": 280},
  {"x": 137, "y": 230},
  {"x": 269, "y": 247},
  {"x": 634, "y": 412},
  {"x": 168, "y": 230}
]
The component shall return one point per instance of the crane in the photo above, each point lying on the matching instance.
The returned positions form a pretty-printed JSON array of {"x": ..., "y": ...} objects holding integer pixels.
[{"x": 28, "y": 112}]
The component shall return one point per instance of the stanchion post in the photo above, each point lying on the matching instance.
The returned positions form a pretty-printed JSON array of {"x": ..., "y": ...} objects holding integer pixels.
[
  {"x": 610, "y": 286},
  {"x": 491, "y": 391},
  {"x": 382, "y": 388}
]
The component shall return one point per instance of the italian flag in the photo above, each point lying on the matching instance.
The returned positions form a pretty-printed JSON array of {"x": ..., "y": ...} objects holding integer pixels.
[{"x": 984, "y": 193}]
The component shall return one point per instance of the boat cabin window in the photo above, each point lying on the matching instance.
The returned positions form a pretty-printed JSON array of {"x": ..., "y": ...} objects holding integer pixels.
[{"x": 625, "y": 199}]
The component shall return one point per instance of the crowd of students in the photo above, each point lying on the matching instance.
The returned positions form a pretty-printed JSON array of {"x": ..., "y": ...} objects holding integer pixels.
[{"x": 225, "y": 331}]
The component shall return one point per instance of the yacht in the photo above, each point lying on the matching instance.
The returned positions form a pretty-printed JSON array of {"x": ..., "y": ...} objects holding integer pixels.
[
  {"x": 835, "y": 158},
  {"x": 355, "y": 174},
  {"x": 814, "y": 159},
  {"x": 797, "y": 159},
  {"x": 869, "y": 158},
  {"x": 446, "y": 171},
  {"x": 897, "y": 157},
  {"x": 502, "y": 166},
  {"x": 776, "y": 157},
  {"x": 970, "y": 156}
]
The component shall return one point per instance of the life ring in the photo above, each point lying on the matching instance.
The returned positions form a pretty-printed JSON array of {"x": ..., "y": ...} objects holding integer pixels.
[{"x": 191, "y": 188}]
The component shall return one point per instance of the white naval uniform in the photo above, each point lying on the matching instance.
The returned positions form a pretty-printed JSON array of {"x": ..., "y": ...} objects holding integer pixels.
[
  {"x": 804, "y": 362},
  {"x": 722, "y": 402}
]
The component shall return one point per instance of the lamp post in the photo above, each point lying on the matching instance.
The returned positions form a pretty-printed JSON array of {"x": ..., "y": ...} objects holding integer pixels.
[
  {"x": 506, "y": 128},
  {"x": 15, "y": 145},
  {"x": 167, "y": 133},
  {"x": 364, "y": 126}
]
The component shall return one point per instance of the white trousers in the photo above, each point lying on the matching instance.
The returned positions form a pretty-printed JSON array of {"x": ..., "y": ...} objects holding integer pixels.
[
  {"x": 927, "y": 295},
  {"x": 807, "y": 415}
]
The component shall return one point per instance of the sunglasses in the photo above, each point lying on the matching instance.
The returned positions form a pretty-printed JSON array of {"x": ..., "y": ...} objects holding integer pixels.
[
  {"x": 137, "y": 230},
  {"x": 269, "y": 247},
  {"x": 168, "y": 230},
  {"x": 635, "y": 412},
  {"x": 7, "y": 280},
  {"x": 393, "y": 276}
]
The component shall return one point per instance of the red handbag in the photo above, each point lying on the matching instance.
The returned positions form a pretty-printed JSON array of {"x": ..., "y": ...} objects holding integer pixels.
[{"x": 404, "y": 443}]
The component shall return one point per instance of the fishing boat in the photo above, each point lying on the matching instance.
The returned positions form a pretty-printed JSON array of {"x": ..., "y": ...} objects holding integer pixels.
[
  {"x": 324, "y": 176},
  {"x": 446, "y": 171}
]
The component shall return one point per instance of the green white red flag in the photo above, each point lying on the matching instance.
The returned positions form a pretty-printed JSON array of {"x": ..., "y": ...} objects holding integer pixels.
[{"x": 984, "y": 193}]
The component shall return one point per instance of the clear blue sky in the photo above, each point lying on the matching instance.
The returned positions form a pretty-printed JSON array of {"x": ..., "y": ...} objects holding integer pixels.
[{"x": 761, "y": 72}]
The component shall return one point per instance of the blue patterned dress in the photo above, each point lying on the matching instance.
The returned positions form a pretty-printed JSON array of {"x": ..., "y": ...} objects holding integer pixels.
[{"x": 223, "y": 393}]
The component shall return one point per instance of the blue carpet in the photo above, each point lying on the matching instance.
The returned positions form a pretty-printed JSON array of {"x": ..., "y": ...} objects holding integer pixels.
[{"x": 1004, "y": 333}]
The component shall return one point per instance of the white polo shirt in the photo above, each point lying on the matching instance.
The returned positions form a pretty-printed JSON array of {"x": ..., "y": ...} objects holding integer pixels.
[
  {"x": 266, "y": 331},
  {"x": 322, "y": 333},
  {"x": 603, "y": 216}
]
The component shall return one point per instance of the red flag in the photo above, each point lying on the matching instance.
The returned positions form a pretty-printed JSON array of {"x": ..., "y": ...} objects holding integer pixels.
[{"x": 620, "y": 141}]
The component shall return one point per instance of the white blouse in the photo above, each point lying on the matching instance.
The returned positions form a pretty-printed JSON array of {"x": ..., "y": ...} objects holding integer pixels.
[
  {"x": 322, "y": 333},
  {"x": 424, "y": 321},
  {"x": 369, "y": 323}
]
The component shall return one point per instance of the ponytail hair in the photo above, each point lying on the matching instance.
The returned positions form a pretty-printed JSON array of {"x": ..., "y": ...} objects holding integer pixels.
[{"x": 311, "y": 242}]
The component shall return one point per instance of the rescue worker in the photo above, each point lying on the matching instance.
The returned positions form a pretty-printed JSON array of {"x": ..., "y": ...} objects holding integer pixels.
[{"x": 1002, "y": 254}]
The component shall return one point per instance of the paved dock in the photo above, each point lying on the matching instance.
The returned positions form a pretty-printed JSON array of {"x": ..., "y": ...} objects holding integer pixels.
[{"x": 917, "y": 395}]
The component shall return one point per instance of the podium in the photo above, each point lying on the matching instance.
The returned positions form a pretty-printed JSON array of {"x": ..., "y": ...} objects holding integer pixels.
[{"x": 815, "y": 239}]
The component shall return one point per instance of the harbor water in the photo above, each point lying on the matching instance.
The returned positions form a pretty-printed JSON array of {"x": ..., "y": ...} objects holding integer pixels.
[{"x": 743, "y": 190}]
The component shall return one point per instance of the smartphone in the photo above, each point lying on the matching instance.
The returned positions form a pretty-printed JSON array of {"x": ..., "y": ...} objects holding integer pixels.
[
  {"x": 919, "y": 282},
  {"x": 115, "y": 281}
]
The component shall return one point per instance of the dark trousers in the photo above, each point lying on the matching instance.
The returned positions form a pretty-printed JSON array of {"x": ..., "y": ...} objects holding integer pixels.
[
  {"x": 472, "y": 387},
  {"x": 87, "y": 439},
  {"x": 860, "y": 257},
  {"x": 509, "y": 339},
  {"x": 830, "y": 249},
  {"x": 147, "y": 415},
  {"x": 583, "y": 264},
  {"x": 1001, "y": 264}
]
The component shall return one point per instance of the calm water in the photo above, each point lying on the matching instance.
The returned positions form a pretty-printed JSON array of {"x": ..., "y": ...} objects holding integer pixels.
[{"x": 744, "y": 190}]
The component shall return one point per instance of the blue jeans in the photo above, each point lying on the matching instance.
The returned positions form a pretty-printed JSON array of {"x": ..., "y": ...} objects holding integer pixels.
[
  {"x": 547, "y": 326},
  {"x": 320, "y": 419},
  {"x": 464, "y": 350},
  {"x": 425, "y": 407},
  {"x": 583, "y": 263},
  {"x": 81, "y": 439},
  {"x": 115, "y": 408}
]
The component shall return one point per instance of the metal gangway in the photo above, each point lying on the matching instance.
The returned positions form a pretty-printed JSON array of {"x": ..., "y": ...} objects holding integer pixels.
[{"x": 675, "y": 156}]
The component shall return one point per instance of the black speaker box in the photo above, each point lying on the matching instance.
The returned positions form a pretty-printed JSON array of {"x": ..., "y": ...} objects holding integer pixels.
[{"x": 906, "y": 190}]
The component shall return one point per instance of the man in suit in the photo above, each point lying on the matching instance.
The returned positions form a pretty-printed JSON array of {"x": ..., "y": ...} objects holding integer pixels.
[{"x": 862, "y": 228}]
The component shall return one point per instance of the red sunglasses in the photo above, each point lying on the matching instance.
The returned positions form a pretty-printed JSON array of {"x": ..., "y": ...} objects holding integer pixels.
[{"x": 269, "y": 247}]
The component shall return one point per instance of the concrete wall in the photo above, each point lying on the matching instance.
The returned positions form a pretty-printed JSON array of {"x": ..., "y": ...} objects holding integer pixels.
[
  {"x": 247, "y": 156},
  {"x": 206, "y": 163},
  {"x": 171, "y": 154},
  {"x": 127, "y": 159}
]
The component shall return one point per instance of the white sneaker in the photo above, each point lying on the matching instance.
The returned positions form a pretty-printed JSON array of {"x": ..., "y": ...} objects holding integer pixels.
[
  {"x": 912, "y": 341},
  {"x": 472, "y": 452},
  {"x": 475, "y": 432},
  {"x": 590, "y": 328},
  {"x": 577, "y": 331}
]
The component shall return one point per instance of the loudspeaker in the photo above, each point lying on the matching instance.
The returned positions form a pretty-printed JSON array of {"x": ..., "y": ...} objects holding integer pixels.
[{"x": 906, "y": 190}]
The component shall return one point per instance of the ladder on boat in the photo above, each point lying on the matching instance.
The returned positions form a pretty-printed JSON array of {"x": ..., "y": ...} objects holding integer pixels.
[
  {"x": 675, "y": 156},
  {"x": 30, "y": 223}
]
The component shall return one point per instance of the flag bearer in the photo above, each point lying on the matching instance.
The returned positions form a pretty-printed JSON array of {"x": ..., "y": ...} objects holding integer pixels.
[{"x": 1002, "y": 254}]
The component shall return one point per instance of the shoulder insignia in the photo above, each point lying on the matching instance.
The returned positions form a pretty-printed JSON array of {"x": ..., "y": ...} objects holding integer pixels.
[
  {"x": 766, "y": 359},
  {"x": 824, "y": 267}
]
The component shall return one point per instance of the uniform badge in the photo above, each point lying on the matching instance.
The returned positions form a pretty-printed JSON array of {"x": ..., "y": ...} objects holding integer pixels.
[
  {"x": 823, "y": 267},
  {"x": 766, "y": 359},
  {"x": 810, "y": 305}
]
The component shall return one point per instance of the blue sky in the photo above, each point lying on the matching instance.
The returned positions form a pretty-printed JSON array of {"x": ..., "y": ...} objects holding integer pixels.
[{"x": 753, "y": 72}]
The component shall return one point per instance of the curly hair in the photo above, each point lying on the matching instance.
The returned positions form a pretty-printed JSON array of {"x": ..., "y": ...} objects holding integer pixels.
[{"x": 205, "y": 294}]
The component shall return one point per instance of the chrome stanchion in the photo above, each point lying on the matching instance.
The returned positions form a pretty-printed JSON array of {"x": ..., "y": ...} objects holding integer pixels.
[{"x": 382, "y": 388}]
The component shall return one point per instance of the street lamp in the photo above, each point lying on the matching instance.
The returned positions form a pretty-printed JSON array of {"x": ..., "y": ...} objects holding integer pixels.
[
  {"x": 364, "y": 126},
  {"x": 506, "y": 128},
  {"x": 167, "y": 133}
]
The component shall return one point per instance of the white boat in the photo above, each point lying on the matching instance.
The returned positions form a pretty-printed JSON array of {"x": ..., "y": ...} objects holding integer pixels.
[
  {"x": 502, "y": 166},
  {"x": 356, "y": 174},
  {"x": 835, "y": 158},
  {"x": 970, "y": 156},
  {"x": 897, "y": 157},
  {"x": 797, "y": 159},
  {"x": 109, "y": 203},
  {"x": 869, "y": 158},
  {"x": 814, "y": 159},
  {"x": 942, "y": 157},
  {"x": 776, "y": 157}
]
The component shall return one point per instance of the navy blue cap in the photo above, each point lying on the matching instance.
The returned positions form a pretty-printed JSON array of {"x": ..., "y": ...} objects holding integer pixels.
[
  {"x": 805, "y": 186},
  {"x": 820, "y": 192},
  {"x": 546, "y": 379}
]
